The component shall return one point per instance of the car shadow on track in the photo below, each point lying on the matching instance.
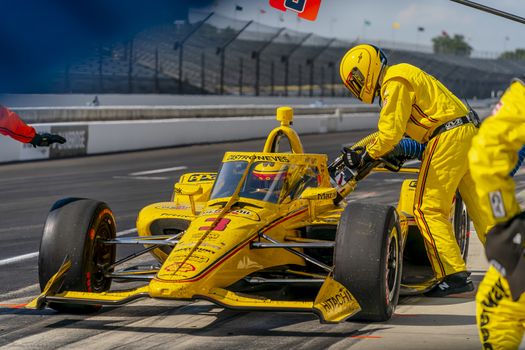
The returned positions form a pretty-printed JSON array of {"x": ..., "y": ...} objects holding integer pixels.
[{"x": 221, "y": 323}]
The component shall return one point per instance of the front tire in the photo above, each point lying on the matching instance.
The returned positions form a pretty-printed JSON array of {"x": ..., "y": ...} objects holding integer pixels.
[
  {"x": 368, "y": 258},
  {"x": 75, "y": 227}
]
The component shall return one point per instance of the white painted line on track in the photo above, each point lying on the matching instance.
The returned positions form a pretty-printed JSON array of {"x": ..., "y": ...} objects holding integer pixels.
[
  {"x": 28, "y": 256},
  {"x": 19, "y": 258},
  {"x": 18, "y": 228},
  {"x": 155, "y": 178},
  {"x": 158, "y": 171}
]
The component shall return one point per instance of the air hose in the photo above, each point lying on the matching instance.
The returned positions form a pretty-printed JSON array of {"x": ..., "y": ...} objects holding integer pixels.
[{"x": 405, "y": 149}]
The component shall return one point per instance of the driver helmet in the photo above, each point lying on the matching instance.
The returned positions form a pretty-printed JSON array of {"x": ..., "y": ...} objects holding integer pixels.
[
  {"x": 265, "y": 174},
  {"x": 360, "y": 69}
]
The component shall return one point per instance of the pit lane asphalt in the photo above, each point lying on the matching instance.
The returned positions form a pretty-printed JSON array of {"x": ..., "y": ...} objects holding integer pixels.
[{"x": 29, "y": 189}]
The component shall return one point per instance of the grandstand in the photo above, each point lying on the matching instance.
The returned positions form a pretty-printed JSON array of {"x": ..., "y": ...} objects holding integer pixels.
[{"x": 219, "y": 55}]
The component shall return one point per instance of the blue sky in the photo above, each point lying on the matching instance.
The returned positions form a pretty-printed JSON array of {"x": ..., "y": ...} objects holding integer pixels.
[{"x": 345, "y": 19}]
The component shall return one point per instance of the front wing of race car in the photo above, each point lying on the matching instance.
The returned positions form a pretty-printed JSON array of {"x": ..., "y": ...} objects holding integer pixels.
[{"x": 333, "y": 304}]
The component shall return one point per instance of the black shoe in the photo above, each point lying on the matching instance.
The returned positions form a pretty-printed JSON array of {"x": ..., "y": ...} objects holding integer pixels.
[{"x": 452, "y": 284}]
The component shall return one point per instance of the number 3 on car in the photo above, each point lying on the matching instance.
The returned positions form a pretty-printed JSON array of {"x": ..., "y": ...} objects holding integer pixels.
[{"x": 220, "y": 226}]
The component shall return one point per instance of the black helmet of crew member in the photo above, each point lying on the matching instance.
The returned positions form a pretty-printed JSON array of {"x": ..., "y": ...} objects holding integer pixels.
[{"x": 361, "y": 68}]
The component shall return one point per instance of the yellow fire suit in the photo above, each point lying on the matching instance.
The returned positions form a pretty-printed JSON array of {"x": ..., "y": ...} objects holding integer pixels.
[
  {"x": 415, "y": 104},
  {"x": 501, "y": 321}
]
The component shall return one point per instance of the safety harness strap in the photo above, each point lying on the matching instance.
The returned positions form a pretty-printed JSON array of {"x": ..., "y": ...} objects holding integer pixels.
[{"x": 452, "y": 124}]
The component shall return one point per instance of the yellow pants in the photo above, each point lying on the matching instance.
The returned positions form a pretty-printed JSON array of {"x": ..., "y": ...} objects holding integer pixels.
[
  {"x": 444, "y": 169},
  {"x": 501, "y": 321}
]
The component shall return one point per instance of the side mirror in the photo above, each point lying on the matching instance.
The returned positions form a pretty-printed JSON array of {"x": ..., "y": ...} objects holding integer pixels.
[{"x": 188, "y": 190}]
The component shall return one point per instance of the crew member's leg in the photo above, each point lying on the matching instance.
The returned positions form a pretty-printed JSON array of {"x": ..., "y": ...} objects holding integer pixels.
[
  {"x": 444, "y": 165},
  {"x": 432, "y": 204},
  {"x": 501, "y": 321}
]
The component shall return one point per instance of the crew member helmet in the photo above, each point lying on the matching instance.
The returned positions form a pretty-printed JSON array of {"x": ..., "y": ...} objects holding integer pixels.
[{"x": 360, "y": 69}]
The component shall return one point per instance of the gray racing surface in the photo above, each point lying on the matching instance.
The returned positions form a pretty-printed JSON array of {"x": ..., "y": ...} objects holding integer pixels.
[{"x": 127, "y": 182}]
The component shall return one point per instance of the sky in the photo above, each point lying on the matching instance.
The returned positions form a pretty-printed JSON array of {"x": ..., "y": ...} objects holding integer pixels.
[{"x": 345, "y": 19}]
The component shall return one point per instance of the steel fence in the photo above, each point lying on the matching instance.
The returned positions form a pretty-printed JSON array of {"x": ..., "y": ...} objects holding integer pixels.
[{"x": 213, "y": 54}]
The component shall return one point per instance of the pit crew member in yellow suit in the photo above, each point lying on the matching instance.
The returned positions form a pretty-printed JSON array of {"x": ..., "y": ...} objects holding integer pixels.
[
  {"x": 500, "y": 298},
  {"x": 416, "y": 104}
]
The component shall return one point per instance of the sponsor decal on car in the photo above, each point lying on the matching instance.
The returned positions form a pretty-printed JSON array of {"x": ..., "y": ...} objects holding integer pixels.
[
  {"x": 180, "y": 246},
  {"x": 247, "y": 264},
  {"x": 198, "y": 250},
  {"x": 210, "y": 236},
  {"x": 246, "y": 157},
  {"x": 335, "y": 302},
  {"x": 338, "y": 300},
  {"x": 326, "y": 195},
  {"x": 210, "y": 212},
  {"x": 176, "y": 215},
  {"x": 205, "y": 177},
  {"x": 172, "y": 207},
  {"x": 181, "y": 267},
  {"x": 243, "y": 212},
  {"x": 195, "y": 258}
]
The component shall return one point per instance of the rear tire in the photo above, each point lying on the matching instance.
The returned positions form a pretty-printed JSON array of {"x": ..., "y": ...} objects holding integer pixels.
[
  {"x": 75, "y": 227},
  {"x": 368, "y": 258}
]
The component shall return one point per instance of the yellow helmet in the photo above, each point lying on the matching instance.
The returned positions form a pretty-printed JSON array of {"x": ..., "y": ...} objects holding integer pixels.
[
  {"x": 269, "y": 172},
  {"x": 266, "y": 181},
  {"x": 360, "y": 70}
]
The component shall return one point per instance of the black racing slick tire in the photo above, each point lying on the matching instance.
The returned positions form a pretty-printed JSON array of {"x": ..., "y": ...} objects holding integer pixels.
[
  {"x": 75, "y": 227},
  {"x": 368, "y": 258}
]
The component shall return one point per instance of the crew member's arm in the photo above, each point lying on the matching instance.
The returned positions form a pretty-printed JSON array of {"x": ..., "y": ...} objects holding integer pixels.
[
  {"x": 397, "y": 98},
  {"x": 11, "y": 125},
  {"x": 494, "y": 155}
]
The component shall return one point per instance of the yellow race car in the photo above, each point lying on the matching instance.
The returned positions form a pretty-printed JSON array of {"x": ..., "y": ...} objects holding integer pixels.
[{"x": 269, "y": 231}]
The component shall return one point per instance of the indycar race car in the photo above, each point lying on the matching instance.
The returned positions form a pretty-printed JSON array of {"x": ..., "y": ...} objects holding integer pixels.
[{"x": 270, "y": 231}]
